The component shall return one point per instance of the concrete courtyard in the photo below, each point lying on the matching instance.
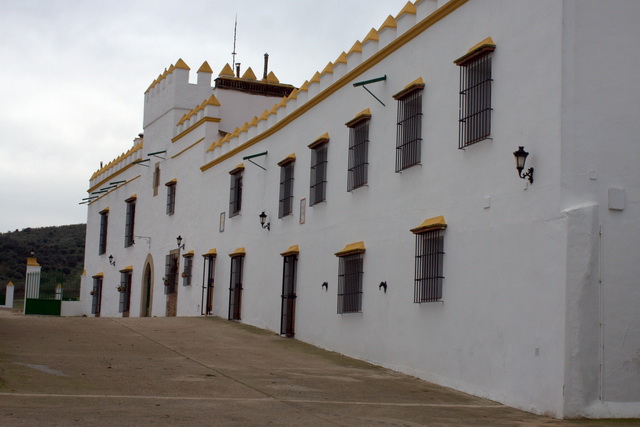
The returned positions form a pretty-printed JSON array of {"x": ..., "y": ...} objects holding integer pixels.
[{"x": 209, "y": 371}]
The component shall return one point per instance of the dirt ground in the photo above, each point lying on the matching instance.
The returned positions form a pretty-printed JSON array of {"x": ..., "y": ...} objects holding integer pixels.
[{"x": 208, "y": 371}]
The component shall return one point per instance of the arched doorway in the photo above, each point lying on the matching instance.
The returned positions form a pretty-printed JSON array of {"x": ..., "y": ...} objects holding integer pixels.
[{"x": 147, "y": 288}]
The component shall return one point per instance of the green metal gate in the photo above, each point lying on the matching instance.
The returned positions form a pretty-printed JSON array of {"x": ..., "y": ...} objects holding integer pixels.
[{"x": 45, "y": 296}]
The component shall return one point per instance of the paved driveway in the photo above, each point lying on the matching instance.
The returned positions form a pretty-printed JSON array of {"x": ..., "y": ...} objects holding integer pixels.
[{"x": 208, "y": 371}]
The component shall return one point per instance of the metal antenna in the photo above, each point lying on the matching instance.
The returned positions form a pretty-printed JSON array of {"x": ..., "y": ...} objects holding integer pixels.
[{"x": 233, "y": 54}]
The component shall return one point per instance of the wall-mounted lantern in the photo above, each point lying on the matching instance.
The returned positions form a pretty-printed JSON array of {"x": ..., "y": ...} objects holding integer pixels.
[
  {"x": 263, "y": 221},
  {"x": 180, "y": 244},
  {"x": 521, "y": 159},
  {"x": 112, "y": 261}
]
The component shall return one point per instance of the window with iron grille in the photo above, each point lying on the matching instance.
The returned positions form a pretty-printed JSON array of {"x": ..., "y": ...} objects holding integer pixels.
[
  {"x": 409, "y": 130},
  {"x": 318, "y": 180},
  {"x": 235, "y": 288},
  {"x": 104, "y": 222},
  {"x": 188, "y": 269},
  {"x": 235, "y": 196},
  {"x": 130, "y": 222},
  {"x": 171, "y": 197},
  {"x": 350, "y": 272},
  {"x": 288, "y": 308},
  {"x": 429, "y": 257},
  {"x": 171, "y": 271},
  {"x": 475, "y": 95},
  {"x": 358, "y": 154},
  {"x": 96, "y": 296},
  {"x": 208, "y": 283},
  {"x": 285, "y": 206},
  {"x": 125, "y": 291},
  {"x": 156, "y": 179}
]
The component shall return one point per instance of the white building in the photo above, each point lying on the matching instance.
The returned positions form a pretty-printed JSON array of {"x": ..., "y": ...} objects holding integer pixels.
[{"x": 441, "y": 261}]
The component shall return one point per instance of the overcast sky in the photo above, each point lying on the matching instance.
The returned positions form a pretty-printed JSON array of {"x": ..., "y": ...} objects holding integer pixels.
[{"x": 73, "y": 74}]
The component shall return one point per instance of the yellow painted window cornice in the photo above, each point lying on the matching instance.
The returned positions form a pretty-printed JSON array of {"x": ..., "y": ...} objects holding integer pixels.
[
  {"x": 238, "y": 252},
  {"x": 485, "y": 46},
  {"x": 417, "y": 84},
  {"x": 293, "y": 250},
  {"x": 289, "y": 159},
  {"x": 321, "y": 140},
  {"x": 362, "y": 115},
  {"x": 435, "y": 223},
  {"x": 211, "y": 253},
  {"x": 352, "y": 249},
  {"x": 127, "y": 269},
  {"x": 237, "y": 169}
]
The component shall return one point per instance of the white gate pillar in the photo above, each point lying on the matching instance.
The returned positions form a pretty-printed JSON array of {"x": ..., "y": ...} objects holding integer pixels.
[
  {"x": 32, "y": 280},
  {"x": 8, "y": 300}
]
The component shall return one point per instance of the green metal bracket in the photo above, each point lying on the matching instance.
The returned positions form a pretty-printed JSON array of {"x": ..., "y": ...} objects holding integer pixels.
[
  {"x": 155, "y": 154},
  {"x": 366, "y": 82},
  {"x": 264, "y": 153},
  {"x": 140, "y": 162}
]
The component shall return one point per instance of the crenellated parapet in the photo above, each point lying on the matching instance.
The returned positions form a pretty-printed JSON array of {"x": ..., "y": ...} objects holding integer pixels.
[{"x": 118, "y": 164}]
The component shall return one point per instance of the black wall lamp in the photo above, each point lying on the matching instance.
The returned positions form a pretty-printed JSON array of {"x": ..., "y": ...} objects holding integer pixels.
[
  {"x": 111, "y": 260},
  {"x": 521, "y": 159},
  {"x": 383, "y": 285},
  {"x": 325, "y": 285},
  {"x": 263, "y": 221},
  {"x": 180, "y": 244}
]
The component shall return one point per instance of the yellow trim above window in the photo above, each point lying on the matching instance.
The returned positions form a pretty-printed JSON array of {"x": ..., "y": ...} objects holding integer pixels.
[
  {"x": 321, "y": 140},
  {"x": 172, "y": 182},
  {"x": 104, "y": 211},
  {"x": 211, "y": 252},
  {"x": 290, "y": 158},
  {"x": 188, "y": 254},
  {"x": 351, "y": 249},
  {"x": 417, "y": 84},
  {"x": 133, "y": 198},
  {"x": 127, "y": 269},
  {"x": 238, "y": 252},
  {"x": 97, "y": 275},
  {"x": 435, "y": 223},
  {"x": 293, "y": 250},
  {"x": 362, "y": 115},
  {"x": 237, "y": 169},
  {"x": 486, "y": 45}
]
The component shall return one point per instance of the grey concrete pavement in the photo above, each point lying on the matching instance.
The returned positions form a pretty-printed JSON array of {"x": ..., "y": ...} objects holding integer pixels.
[{"x": 208, "y": 371}]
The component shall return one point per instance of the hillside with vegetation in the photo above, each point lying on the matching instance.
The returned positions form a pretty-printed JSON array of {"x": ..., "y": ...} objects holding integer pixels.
[{"x": 57, "y": 249}]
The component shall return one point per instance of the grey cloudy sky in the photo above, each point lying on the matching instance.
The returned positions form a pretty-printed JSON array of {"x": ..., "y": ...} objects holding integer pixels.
[{"x": 73, "y": 74}]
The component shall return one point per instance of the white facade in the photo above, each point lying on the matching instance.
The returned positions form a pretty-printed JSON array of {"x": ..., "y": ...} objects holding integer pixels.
[{"x": 540, "y": 295}]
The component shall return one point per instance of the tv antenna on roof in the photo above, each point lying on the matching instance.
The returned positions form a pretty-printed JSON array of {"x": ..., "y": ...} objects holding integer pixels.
[{"x": 233, "y": 54}]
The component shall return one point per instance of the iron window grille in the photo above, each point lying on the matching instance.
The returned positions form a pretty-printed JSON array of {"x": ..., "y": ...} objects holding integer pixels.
[
  {"x": 104, "y": 223},
  {"x": 235, "y": 288},
  {"x": 350, "y": 272},
  {"x": 287, "y": 319},
  {"x": 125, "y": 291},
  {"x": 171, "y": 272},
  {"x": 235, "y": 197},
  {"x": 318, "y": 179},
  {"x": 96, "y": 296},
  {"x": 188, "y": 270},
  {"x": 358, "y": 154},
  {"x": 285, "y": 206},
  {"x": 429, "y": 261},
  {"x": 409, "y": 129},
  {"x": 208, "y": 283},
  {"x": 129, "y": 223},
  {"x": 475, "y": 96},
  {"x": 171, "y": 197}
]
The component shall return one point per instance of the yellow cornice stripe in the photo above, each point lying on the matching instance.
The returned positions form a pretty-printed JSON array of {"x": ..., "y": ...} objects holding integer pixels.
[
  {"x": 109, "y": 178},
  {"x": 293, "y": 250},
  {"x": 110, "y": 191},
  {"x": 435, "y": 223},
  {"x": 352, "y": 248},
  {"x": 193, "y": 126},
  {"x": 400, "y": 41},
  {"x": 238, "y": 252},
  {"x": 188, "y": 148}
]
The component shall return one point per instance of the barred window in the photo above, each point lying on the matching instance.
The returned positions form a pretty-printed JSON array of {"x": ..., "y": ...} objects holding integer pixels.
[
  {"x": 96, "y": 295},
  {"x": 104, "y": 222},
  {"x": 288, "y": 305},
  {"x": 285, "y": 206},
  {"x": 429, "y": 260},
  {"x": 171, "y": 271},
  {"x": 318, "y": 173},
  {"x": 125, "y": 291},
  {"x": 475, "y": 95},
  {"x": 129, "y": 222},
  {"x": 358, "y": 153},
  {"x": 235, "y": 194},
  {"x": 350, "y": 272},
  {"x": 188, "y": 269},
  {"x": 156, "y": 179},
  {"x": 235, "y": 287},
  {"x": 208, "y": 282},
  {"x": 409, "y": 130},
  {"x": 171, "y": 197}
]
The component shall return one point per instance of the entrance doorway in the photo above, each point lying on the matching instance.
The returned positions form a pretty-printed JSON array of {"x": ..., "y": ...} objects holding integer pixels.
[
  {"x": 209, "y": 270},
  {"x": 145, "y": 303},
  {"x": 288, "y": 313}
]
